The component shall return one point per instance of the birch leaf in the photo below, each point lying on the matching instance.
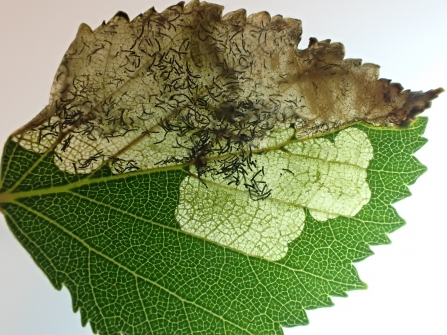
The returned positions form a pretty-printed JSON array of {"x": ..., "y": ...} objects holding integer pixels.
[{"x": 194, "y": 173}]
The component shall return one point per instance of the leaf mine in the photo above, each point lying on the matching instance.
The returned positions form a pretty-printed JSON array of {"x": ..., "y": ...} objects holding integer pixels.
[
  {"x": 329, "y": 179},
  {"x": 188, "y": 84}
]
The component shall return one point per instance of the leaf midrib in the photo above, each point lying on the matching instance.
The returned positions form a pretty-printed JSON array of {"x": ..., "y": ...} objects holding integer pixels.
[{"x": 10, "y": 195}]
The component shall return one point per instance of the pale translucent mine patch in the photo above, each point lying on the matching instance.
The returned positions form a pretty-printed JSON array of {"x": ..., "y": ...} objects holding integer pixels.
[{"x": 329, "y": 179}]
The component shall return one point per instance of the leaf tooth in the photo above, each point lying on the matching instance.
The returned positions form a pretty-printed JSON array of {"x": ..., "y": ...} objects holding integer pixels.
[
  {"x": 192, "y": 5},
  {"x": 178, "y": 8},
  {"x": 325, "y": 51},
  {"x": 278, "y": 23},
  {"x": 84, "y": 28},
  {"x": 260, "y": 19},
  {"x": 206, "y": 10},
  {"x": 371, "y": 70},
  {"x": 150, "y": 12},
  {"x": 237, "y": 17},
  {"x": 294, "y": 31},
  {"x": 120, "y": 15}
]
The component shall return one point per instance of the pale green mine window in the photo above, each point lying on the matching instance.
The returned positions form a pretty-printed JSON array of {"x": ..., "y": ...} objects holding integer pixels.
[{"x": 329, "y": 179}]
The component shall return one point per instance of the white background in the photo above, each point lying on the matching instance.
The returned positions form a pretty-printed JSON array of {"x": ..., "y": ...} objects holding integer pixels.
[{"x": 407, "y": 280}]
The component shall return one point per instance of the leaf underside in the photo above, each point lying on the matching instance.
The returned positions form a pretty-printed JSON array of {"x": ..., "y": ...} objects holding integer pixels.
[{"x": 92, "y": 187}]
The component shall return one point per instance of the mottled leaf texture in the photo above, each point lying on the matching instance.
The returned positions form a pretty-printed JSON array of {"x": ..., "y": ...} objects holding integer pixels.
[{"x": 195, "y": 173}]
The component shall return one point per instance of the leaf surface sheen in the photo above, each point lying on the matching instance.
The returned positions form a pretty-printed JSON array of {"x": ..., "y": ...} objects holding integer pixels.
[{"x": 142, "y": 209}]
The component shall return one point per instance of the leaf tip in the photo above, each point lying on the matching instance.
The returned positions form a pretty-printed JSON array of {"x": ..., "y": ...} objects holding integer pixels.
[{"x": 420, "y": 101}]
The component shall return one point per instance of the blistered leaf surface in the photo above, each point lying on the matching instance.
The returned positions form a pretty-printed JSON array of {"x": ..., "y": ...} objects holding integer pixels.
[{"x": 188, "y": 84}]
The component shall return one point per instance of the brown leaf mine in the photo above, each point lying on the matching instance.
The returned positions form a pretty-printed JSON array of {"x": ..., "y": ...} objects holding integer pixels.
[{"x": 189, "y": 85}]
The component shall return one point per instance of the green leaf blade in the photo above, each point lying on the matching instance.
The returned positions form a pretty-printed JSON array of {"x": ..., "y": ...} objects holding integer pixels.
[{"x": 113, "y": 241}]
